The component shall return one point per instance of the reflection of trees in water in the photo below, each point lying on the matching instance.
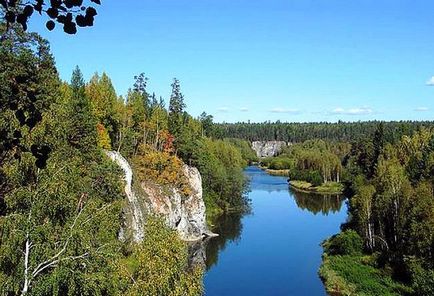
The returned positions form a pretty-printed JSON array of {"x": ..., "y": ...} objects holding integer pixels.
[
  {"x": 229, "y": 228},
  {"x": 318, "y": 203}
]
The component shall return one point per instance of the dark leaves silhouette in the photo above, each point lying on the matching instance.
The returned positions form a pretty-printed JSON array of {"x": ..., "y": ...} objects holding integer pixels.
[{"x": 70, "y": 13}]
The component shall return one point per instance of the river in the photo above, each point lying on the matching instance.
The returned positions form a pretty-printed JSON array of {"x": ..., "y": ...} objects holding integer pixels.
[{"x": 274, "y": 250}]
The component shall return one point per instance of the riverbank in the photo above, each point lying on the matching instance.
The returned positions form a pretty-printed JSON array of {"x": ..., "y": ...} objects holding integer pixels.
[
  {"x": 326, "y": 188},
  {"x": 347, "y": 270},
  {"x": 357, "y": 275},
  {"x": 282, "y": 173}
]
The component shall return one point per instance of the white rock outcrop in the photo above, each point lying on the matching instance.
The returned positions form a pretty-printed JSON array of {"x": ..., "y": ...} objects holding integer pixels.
[
  {"x": 135, "y": 211},
  {"x": 268, "y": 148},
  {"x": 186, "y": 214}
]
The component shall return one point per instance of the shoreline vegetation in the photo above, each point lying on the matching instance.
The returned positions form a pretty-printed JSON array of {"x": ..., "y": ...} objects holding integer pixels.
[
  {"x": 346, "y": 270},
  {"x": 326, "y": 188},
  {"x": 304, "y": 186}
]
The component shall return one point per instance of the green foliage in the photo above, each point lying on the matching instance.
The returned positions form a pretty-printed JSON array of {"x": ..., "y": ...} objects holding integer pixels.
[
  {"x": 280, "y": 163},
  {"x": 313, "y": 161},
  {"x": 105, "y": 105},
  {"x": 28, "y": 86},
  {"x": 348, "y": 275},
  {"x": 81, "y": 124},
  {"x": 221, "y": 166},
  {"x": 176, "y": 109},
  {"x": 422, "y": 279},
  {"x": 66, "y": 218},
  {"x": 345, "y": 243},
  {"x": 294, "y": 132},
  {"x": 247, "y": 153},
  {"x": 393, "y": 206},
  {"x": 158, "y": 266}
]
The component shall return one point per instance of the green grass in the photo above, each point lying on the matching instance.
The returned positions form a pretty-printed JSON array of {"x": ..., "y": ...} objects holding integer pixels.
[
  {"x": 351, "y": 275},
  {"x": 284, "y": 173},
  {"x": 325, "y": 188},
  {"x": 303, "y": 185},
  {"x": 330, "y": 187}
]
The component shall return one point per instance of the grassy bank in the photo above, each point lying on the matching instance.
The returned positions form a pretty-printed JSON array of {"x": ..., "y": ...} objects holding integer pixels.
[
  {"x": 326, "y": 188},
  {"x": 354, "y": 275},
  {"x": 284, "y": 173}
]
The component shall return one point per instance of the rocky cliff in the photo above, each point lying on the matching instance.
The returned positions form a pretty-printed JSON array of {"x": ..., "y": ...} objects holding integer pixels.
[
  {"x": 268, "y": 148},
  {"x": 186, "y": 214}
]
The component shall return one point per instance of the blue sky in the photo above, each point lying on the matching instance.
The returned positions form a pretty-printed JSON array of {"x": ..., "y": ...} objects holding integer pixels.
[{"x": 239, "y": 60}]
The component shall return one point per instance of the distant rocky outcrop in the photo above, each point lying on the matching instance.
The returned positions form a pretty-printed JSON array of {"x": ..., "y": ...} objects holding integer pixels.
[
  {"x": 268, "y": 148},
  {"x": 186, "y": 214}
]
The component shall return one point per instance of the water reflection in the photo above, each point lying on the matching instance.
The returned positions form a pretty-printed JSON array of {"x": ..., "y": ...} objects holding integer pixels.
[
  {"x": 317, "y": 203},
  {"x": 229, "y": 228}
]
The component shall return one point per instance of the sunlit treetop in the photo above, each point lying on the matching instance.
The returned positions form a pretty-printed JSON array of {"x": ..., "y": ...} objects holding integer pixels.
[{"x": 68, "y": 13}]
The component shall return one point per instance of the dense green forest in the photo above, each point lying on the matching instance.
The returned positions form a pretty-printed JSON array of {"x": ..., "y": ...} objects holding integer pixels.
[
  {"x": 299, "y": 132},
  {"x": 391, "y": 211},
  {"x": 61, "y": 198}
]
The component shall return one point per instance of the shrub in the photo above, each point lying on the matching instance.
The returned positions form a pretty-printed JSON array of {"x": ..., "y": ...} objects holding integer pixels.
[
  {"x": 422, "y": 279},
  {"x": 315, "y": 178},
  {"x": 348, "y": 242}
]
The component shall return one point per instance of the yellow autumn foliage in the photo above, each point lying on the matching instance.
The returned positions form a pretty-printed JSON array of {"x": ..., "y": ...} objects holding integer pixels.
[
  {"x": 103, "y": 137},
  {"x": 161, "y": 167}
]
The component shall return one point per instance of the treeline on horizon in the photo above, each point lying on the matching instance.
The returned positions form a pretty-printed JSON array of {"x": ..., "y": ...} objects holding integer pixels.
[{"x": 294, "y": 132}]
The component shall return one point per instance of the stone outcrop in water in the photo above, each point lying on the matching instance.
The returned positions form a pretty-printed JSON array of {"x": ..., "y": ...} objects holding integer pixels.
[
  {"x": 268, "y": 148},
  {"x": 186, "y": 214}
]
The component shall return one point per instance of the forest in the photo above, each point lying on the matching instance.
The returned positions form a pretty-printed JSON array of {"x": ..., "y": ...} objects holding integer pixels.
[
  {"x": 391, "y": 221},
  {"x": 295, "y": 132},
  {"x": 61, "y": 197}
]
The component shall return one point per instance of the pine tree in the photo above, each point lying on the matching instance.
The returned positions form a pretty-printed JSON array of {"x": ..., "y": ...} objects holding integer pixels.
[
  {"x": 176, "y": 108},
  {"x": 82, "y": 124}
]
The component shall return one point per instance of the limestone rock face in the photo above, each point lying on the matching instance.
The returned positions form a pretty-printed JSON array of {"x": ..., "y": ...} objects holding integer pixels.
[
  {"x": 268, "y": 148},
  {"x": 135, "y": 211},
  {"x": 186, "y": 214}
]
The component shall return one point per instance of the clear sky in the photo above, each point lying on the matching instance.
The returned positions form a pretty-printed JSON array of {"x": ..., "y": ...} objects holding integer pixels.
[{"x": 288, "y": 60}]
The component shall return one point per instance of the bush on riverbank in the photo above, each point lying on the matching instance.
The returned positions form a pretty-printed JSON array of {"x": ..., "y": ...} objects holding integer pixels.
[{"x": 344, "y": 243}]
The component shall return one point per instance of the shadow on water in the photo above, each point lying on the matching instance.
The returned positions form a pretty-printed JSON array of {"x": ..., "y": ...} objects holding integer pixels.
[
  {"x": 204, "y": 253},
  {"x": 229, "y": 228},
  {"x": 281, "y": 235}
]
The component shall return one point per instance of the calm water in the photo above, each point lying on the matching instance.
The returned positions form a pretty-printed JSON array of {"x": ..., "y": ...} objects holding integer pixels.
[{"x": 276, "y": 249}]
